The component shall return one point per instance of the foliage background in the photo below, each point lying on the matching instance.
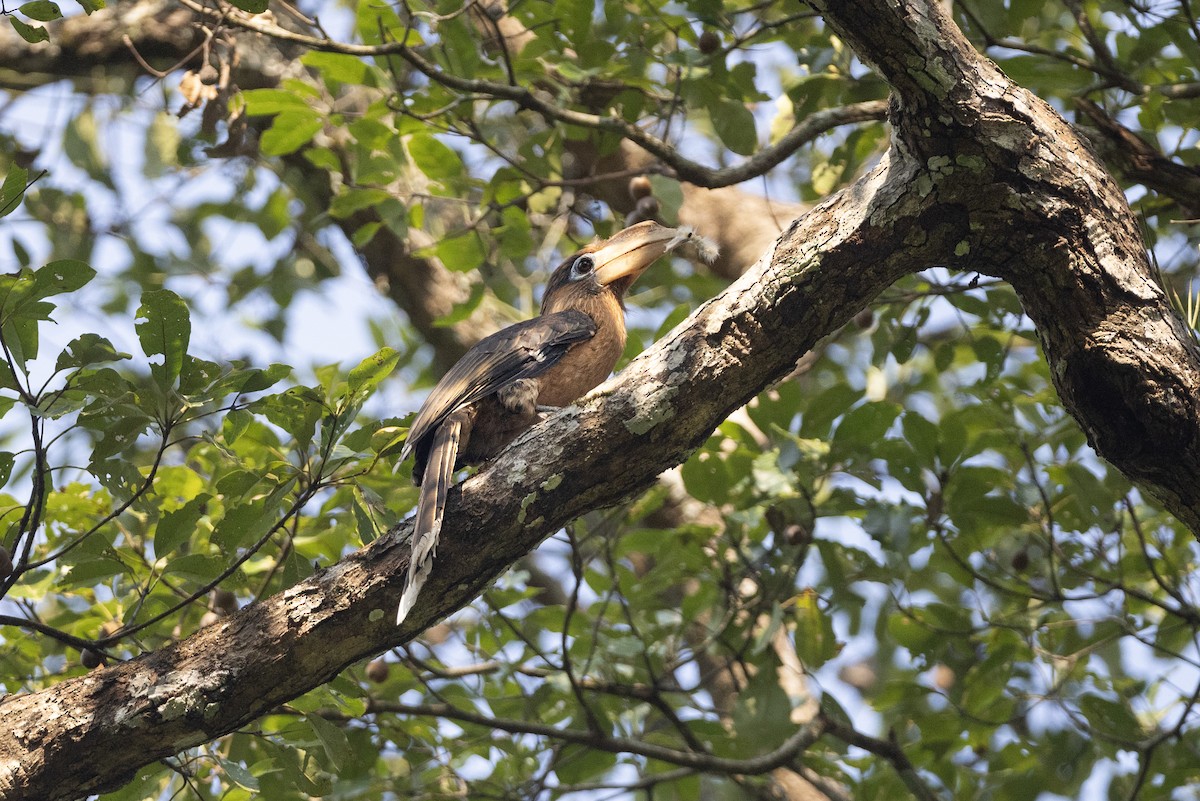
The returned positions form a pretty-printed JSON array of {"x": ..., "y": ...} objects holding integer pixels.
[{"x": 908, "y": 538}]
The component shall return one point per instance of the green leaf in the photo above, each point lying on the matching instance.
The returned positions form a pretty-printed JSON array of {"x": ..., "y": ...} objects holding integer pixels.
[
  {"x": 21, "y": 335},
  {"x": 264, "y": 102},
  {"x": 296, "y": 411},
  {"x": 290, "y": 131},
  {"x": 434, "y": 158},
  {"x": 6, "y": 465},
  {"x": 162, "y": 145},
  {"x": 363, "y": 235},
  {"x": 816, "y": 642},
  {"x": 41, "y": 10},
  {"x": 177, "y": 527},
  {"x": 922, "y": 435},
  {"x": 706, "y": 477},
  {"x": 825, "y": 408},
  {"x": 462, "y": 253},
  {"x": 13, "y": 189},
  {"x": 258, "y": 380},
  {"x": 337, "y": 66},
  {"x": 371, "y": 370},
  {"x": 762, "y": 714},
  {"x": 198, "y": 567},
  {"x": 1113, "y": 718},
  {"x": 355, "y": 199},
  {"x": 95, "y": 570},
  {"x": 246, "y": 522},
  {"x": 30, "y": 33},
  {"x": 86, "y": 350},
  {"x": 198, "y": 376},
  {"x": 577, "y": 764},
  {"x": 235, "y": 424},
  {"x": 866, "y": 424},
  {"x": 911, "y": 633},
  {"x": 332, "y": 738},
  {"x": 669, "y": 194},
  {"x": 59, "y": 278},
  {"x": 164, "y": 329},
  {"x": 734, "y": 124},
  {"x": 81, "y": 143},
  {"x": 237, "y": 772}
]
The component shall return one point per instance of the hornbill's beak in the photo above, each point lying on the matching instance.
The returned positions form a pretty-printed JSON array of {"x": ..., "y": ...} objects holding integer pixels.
[{"x": 627, "y": 254}]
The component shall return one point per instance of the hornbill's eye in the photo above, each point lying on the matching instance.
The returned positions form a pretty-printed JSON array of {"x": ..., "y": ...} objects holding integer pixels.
[{"x": 583, "y": 266}]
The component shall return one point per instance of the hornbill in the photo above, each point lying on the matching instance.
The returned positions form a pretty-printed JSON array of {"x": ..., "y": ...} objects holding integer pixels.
[{"x": 502, "y": 384}]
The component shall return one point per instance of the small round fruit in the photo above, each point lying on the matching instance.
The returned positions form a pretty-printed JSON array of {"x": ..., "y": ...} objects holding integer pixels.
[
  {"x": 377, "y": 671},
  {"x": 223, "y": 602},
  {"x": 1020, "y": 561},
  {"x": 796, "y": 534},
  {"x": 710, "y": 42},
  {"x": 209, "y": 74},
  {"x": 91, "y": 659},
  {"x": 640, "y": 187},
  {"x": 648, "y": 208}
]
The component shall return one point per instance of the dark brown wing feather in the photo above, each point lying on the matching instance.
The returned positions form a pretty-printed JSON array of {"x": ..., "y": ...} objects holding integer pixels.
[{"x": 523, "y": 350}]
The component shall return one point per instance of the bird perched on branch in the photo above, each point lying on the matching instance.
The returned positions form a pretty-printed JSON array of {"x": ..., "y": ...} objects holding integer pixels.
[{"x": 502, "y": 384}]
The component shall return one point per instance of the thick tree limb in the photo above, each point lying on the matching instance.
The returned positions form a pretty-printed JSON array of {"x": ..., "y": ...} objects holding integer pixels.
[
  {"x": 1141, "y": 162},
  {"x": 1037, "y": 209},
  {"x": 90, "y": 733},
  {"x": 982, "y": 176}
]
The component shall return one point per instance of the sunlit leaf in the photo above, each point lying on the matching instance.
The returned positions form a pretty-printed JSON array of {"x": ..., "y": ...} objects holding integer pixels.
[
  {"x": 164, "y": 328},
  {"x": 371, "y": 370}
]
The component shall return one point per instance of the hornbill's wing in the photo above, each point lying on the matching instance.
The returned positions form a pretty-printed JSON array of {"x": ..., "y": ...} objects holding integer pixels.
[{"x": 523, "y": 350}]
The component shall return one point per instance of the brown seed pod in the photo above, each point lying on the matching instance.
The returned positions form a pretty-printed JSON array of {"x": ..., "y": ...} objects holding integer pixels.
[
  {"x": 377, "y": 671},
  {"x": 710, "y": 42},
  {"x": 209, "y": 74},
  {"x": 640, "y": 187}
]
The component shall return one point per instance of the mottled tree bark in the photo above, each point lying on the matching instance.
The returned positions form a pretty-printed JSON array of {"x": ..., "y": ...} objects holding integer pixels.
[
  {"x": 1032, "y": 204},
  {"x": 981, "y": 176}
]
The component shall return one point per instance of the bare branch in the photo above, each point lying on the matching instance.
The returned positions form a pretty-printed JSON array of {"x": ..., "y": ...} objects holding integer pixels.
[
  {"x": 788, "y": 750},
  {"x": 548, "y": 107}
]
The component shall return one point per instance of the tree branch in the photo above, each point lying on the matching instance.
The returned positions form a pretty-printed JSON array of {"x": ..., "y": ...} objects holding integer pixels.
[
  {"x": 982, "y": 176},
  {"x": 1143, "y": 163},
  {"x": 87, "y": 734},
  {"x": 887, "y": 749},
  {"x": 546, "y": 106},
  {"x": 788, "y": 750}
]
